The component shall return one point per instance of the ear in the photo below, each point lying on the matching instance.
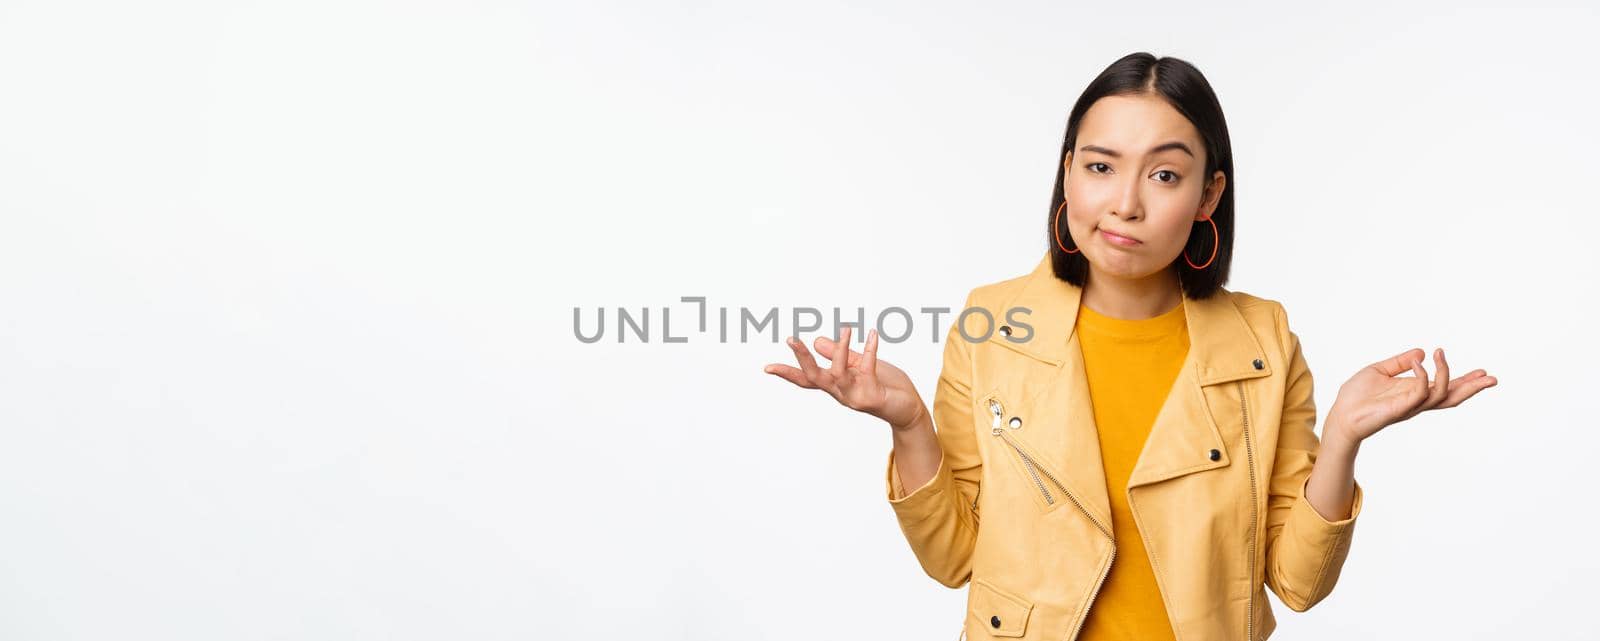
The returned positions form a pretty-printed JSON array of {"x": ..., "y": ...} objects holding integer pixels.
[{"x": 1212, "y": 195}]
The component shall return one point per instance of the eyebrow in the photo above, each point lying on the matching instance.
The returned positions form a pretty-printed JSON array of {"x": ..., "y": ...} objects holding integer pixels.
[{"x": 1153, "y": 150}]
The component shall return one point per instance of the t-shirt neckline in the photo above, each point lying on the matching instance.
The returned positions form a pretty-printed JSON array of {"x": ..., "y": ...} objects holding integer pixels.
[{"x": 1162, "y": 324}]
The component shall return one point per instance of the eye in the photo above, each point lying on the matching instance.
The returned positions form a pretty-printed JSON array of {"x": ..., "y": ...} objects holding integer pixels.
[
  {"x": 1091, "y": 167},
  {"x": 1166, "y": 171}
]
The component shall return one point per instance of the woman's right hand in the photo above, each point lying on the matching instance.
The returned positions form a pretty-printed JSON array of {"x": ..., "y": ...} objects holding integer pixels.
[{"x": 858, "y": 381}]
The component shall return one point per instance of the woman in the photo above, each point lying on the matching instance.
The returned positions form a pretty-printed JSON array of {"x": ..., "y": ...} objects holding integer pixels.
[{"x": 1137, "y": 460}]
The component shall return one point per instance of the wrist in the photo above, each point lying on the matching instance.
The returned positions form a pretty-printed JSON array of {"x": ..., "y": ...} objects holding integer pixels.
[
  {"x": 1338, "y": 438},
  {"x": 916, "y": 421}
]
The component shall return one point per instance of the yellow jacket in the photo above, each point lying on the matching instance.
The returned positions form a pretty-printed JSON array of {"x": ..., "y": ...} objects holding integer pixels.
[{"x": 1019, "y": 508}]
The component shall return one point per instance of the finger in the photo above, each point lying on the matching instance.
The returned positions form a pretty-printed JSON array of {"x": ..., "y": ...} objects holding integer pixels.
[
  {"x": 791, "y": 374},
  {"x": 1440, "y": 388},
  {"x": 838, "y": 365},
  {"x": 1399, "y": 363},
  {"x": 825, "y": 345},
  {"x": 1464, "y": 379},
  {"x": 869, "y": 355},
  {"x": 1466, "y": 387},
  {"x": 808, "y": 365},
  {"x": 1419, "y": 389}
]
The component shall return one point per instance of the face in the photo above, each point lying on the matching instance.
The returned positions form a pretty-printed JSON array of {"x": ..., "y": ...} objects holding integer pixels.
[{"x": 1132, "y": 194}]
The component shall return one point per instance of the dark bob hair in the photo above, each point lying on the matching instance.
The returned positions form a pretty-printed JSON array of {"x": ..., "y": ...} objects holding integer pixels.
[{"x": 1186, "y": 89}]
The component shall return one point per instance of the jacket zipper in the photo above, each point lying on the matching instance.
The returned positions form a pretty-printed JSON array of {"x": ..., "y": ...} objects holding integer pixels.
[
  {"x": 1250, "y": 459},
  {"x": 1034, "y": 470}
]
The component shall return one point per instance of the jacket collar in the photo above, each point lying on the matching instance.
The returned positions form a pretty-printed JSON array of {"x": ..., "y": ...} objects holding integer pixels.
[
  {"x": 1221, "y": 344},
  {"x": 1222, "y": 348}
]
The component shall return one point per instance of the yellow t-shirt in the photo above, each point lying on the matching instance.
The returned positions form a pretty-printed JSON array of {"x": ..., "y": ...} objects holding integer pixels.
[{"x": 1131, "y": 365}]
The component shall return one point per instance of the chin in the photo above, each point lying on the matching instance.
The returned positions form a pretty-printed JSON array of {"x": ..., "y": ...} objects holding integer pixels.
[{"x": 1124, "y": 271}]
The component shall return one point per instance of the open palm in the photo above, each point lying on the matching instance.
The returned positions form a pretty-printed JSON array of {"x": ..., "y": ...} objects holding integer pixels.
[
  {"x": 858, "y": 380},
  {"x": 1377, "y": 397}
]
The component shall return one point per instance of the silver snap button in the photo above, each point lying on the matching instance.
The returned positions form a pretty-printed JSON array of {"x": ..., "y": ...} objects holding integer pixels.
[{"x": 1016, "y": 422}]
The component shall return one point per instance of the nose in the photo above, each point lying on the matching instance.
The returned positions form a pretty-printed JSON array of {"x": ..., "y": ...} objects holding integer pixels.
[{"x": 1128, "y": 207}]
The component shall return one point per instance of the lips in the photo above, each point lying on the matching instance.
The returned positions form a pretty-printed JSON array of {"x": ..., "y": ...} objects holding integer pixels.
[{"x": 1119, "y": 238}]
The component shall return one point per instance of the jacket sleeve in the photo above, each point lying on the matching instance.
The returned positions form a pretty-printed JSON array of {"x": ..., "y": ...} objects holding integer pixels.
[
  {"x": 1304, "y": 551},
  {"x": 940, "y": 518}
]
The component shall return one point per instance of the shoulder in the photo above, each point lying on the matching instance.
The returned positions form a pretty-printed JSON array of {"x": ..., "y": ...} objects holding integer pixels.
[
  {"x": 994, "y": 293},
  {"x": 1253, "y": 307},
  {"x": 1266, "y": 317}
]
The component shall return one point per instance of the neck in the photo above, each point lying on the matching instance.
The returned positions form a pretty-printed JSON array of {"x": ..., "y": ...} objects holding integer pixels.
[{"x": 1132, "y": 298}]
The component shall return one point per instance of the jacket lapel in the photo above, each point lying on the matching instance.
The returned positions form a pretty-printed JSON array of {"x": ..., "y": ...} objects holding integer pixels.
[{"x": 1222, "y": 349}]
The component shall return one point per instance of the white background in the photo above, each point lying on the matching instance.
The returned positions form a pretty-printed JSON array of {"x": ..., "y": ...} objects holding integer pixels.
[{"x": 287, "y": 292}]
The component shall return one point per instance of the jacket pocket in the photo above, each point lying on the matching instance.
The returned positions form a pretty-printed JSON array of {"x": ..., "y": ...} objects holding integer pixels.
[{"x": 997, "y": 611}]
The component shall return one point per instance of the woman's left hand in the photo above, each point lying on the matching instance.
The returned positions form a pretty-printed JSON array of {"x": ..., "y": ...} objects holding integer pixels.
[{"x": 1375, "y": 398}]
